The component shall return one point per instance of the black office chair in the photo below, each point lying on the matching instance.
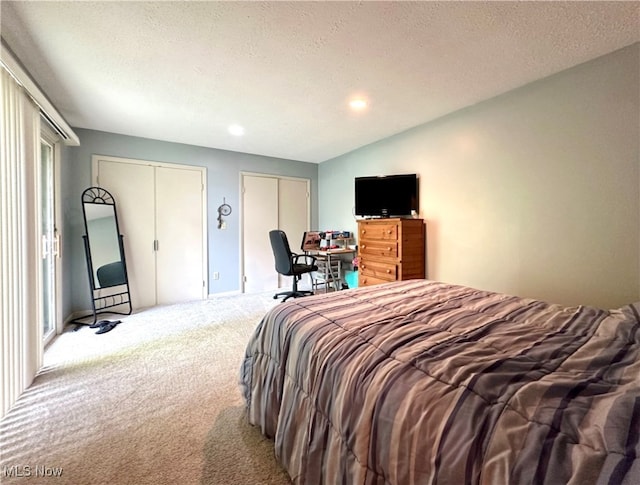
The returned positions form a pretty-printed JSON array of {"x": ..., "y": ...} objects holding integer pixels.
[{"x": 287, "y": 264}]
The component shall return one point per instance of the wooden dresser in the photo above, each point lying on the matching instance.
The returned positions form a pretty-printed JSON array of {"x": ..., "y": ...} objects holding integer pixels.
[{"x": 390, "y": 250}]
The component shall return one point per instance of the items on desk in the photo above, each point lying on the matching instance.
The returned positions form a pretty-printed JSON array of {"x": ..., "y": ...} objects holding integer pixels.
[
  {"x": 323, "y": 240},
  {"x": 311, "y": 241},
  {"x": 328, "y": 238},
  {"x": 329, "y": 235},
  {"x": 326, "y": 245}
]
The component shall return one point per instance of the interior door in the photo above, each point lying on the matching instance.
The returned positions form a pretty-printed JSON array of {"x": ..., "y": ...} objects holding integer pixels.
[
  {"x": 259, "y": 216},
  {"x": 179, "y": 219}
]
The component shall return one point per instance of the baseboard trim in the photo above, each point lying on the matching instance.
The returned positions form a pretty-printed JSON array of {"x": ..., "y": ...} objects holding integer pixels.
[
  {"x": 223, "y": 293},
  {"x": 79, "y": 314}
]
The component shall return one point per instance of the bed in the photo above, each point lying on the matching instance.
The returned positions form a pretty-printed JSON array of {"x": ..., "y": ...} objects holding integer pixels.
[{"x": 421, "y": 382}]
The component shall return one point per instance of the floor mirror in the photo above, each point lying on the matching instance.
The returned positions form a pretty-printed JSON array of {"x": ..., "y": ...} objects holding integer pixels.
[{"x": 106, "y": 262}]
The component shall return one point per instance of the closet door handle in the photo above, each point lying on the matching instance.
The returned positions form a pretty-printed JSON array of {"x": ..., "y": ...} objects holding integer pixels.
[{"x": 56, "y": 243}]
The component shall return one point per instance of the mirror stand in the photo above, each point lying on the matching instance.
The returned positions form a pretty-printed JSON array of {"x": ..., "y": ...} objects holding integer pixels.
[{"x": 106, "y": 263}]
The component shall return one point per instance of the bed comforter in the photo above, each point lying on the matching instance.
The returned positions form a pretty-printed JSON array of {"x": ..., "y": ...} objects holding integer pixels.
[{"x": 420, "y": 382}]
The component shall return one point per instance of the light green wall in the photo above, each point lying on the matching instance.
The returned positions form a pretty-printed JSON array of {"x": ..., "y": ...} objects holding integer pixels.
[{"x": 535, "y": 192}]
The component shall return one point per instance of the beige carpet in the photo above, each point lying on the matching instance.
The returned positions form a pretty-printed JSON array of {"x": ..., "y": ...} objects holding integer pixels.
[{"x": 154, "y": 401}]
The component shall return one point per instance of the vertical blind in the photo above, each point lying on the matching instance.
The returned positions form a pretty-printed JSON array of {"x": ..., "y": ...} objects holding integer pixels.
[{"x": 20, "y": 332}]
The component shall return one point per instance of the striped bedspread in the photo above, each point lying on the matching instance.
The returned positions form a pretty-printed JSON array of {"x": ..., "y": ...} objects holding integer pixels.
[{"x": 420, "y": 382}]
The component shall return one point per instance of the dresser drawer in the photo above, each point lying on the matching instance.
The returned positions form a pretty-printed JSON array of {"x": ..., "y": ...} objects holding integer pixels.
[
  {"x": 364, "y": 280},
  {"x": 378, "y": 231},
  {"x": 379, "y": 269},
  {"x": 387, "y": 249}
]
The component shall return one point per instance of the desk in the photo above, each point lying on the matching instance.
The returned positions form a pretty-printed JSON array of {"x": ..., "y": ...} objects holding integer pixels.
[{"x": 328, "y": 255}]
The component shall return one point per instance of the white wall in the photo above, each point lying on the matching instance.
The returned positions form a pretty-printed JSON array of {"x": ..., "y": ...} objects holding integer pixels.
[{"x": 533, "y": 193}]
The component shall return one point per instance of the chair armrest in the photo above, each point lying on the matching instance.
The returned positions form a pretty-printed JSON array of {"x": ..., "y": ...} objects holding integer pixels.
[{"x": 296, "y": 257}]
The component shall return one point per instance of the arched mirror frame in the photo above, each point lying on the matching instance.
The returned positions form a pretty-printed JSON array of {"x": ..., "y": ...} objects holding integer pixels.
[{"x": 111, "y": 289}]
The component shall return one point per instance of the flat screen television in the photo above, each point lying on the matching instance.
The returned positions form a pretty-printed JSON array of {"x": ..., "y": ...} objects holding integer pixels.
[{"x": 386, "y": 195}]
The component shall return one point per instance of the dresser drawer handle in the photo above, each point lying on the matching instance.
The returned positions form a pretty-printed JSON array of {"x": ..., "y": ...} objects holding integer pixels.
[
  {"x": 363, "y": 246},
  {"x": 388, "y": 249},
  {"x": 388, "y": 271},
  {"x": 389, "y": 231}
]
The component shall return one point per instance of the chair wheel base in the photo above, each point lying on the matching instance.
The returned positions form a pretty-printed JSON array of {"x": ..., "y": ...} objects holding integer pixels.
[{"x": 292, "y": 294}]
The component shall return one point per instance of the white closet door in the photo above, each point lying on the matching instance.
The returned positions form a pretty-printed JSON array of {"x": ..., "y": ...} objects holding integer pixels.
[
  {"x": 132, "y": 186},
  {"x": 158, "y": 202},
  {"x": 293, "y": 217},
  {"x": 179, "y": 219},
  {"x": 260, "y": 215}
]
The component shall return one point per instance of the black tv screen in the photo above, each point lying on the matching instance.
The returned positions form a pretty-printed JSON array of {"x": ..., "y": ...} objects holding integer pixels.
[{"x": 386, "y": 196}]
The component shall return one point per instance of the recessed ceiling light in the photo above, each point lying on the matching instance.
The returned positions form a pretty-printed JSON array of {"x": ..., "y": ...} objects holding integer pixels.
[
  {"x": 358, "y": 104},
  {"x": 236, "y": 130}
]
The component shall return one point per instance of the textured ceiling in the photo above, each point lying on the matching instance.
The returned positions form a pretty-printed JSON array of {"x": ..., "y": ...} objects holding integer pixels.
[{"x": 184, "y": 71}]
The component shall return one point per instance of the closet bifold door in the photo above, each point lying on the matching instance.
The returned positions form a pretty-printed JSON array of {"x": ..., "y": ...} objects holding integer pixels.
[
  {"x": 259, "y": 216},
  {"x": 179, "y": 247},
  {"x": 161, "y": 214},
  {"x": 133, "y": 186},
  {"x": 270, "y": 202}
]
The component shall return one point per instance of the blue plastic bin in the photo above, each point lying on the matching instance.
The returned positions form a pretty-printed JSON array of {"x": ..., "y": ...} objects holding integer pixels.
[{"x": 351, "y": 277}]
